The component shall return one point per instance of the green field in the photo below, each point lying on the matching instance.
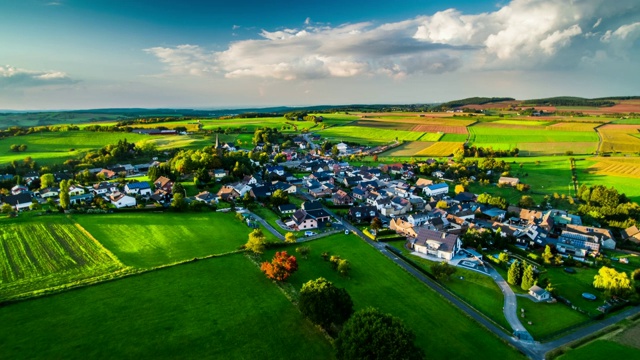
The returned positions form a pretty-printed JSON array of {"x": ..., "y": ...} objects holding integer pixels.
[
  {"x": 477, "y": 290},
  {"x": 39, "y": 253},
  {"x": 571, "y": 286},
  {"x": 441, "y": 329},
  {"x": 216, "y": 308},
  {"x": 454, "y": 138},
  {"x": 548, "y": 320},
  {"x": 601, "y": 349},
  {"x": 626, "y": 185},
  {"x": 369, "y": 135},
  {"x": 146, "y": 240},
  {"x": 53, "y": 118}
]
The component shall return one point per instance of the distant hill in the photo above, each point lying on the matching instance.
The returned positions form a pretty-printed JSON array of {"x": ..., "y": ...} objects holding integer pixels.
[{"x": 471, "y": 101}]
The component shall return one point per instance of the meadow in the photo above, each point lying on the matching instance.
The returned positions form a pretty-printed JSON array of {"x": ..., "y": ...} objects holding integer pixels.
[
  {"x": 441, "y": 329},
  {"x": 617, "y": 344},
  {"x": 369, "y": 135},
  {"x": 619, "y": 138},
  {"x": 56, "y": 147},
  {"x": 217, "y": 308},
  {"x": 606, "y": 171},
  {"x": 145, "y": 240},
  {"x": 485, "y": 134},
  {"x": 39, "y": 253},
  {"x": 548, "y": 320}
]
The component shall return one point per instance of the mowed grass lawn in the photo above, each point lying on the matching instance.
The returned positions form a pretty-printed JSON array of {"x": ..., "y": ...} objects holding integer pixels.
[
  {"x": 571, "y": 286},
  {"x": 374, "y": 280},
  {"x": 548, "y": 320},
  {"x": 39, "y": 253},
  {"x": 146, "y": 240},
  {"x": 54, "y": 147},
  {"x": 602, "y": 349},
  {"x": 221, "y": 308}
]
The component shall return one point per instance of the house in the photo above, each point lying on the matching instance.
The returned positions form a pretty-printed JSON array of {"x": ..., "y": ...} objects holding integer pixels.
[
  {"x": 360, "y": 214},
  {"x": 104, "y": 188},
  {"x": 261, "y": 192},
  {"x": 138, "y": 188},
  {"x": 108, "y": 174},
  {"x": 241, "y": 188},
  {"x": 30, "y": 177},
  {"x": 276, "y": 169},
  {"x": 342, "y": 148},
  {"x": 403, "y": 227},
  {"x": 18, "y": 202},
  {"x": 436, "y": 243},
  {"x": 121, "y": 200},
  {"x": 82, "y": 198},
  {"x": 539, "y": 293},
  {"x": 576, "y": 244},
  {"x": 436, "y": 189},
  {"x": 604, "y": 236},
  {"x": 250, "y": 180},
  {"x": 284, "y": 186},
  {"x": 418, "y": 219},
  {"x": 227, "y": 192},
  {"x": 511, "y": 181},
  {"x": 302, "y": 220},
  {"x": 75, "y": 190},
  {"x": 18, "y": 189},
  {"x": 207, "y": 197},
  {"x": 465, "y": 197},
  {"x": 219, "y": 174},
  {"x": 495, "y": 213},
  {"x": 49, "y": 192},
  {"x": 163, "y": 183},
  {"x": 287, "y": 209},
  {"x": 632, "y": 234},
  {"x": 340, "y": 197}
]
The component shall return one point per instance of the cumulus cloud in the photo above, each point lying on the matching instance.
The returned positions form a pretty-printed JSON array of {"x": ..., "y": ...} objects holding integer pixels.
[
  {"x": 15, "y": 77},
  {"x": 522, "y": 34}
]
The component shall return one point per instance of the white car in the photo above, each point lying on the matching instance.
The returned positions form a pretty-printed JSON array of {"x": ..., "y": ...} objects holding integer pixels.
[
  {"x": 309, "y": 233},
  {"x": 346, "y": 232}
]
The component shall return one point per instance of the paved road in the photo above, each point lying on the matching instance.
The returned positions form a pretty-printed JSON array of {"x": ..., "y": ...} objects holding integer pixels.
[
  {"x": 510, "y": 308},
  {"x": 267, "y": 226}
]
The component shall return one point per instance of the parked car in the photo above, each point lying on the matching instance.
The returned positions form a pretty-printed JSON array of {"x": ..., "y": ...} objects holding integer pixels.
[
  {"x": 309, "y": 233},
  {"x": 346, "y": 232}
]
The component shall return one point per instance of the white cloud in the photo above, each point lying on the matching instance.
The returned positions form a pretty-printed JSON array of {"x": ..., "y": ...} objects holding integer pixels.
[
  {"x": 522, "y": 34},
  {"x": 15, "y": 77}
]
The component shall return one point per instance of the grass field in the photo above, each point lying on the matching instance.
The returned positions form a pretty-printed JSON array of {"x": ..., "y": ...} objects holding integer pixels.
[
  {"x": 217, "y": 308},
  {"x": 454, "y": 138},
  {"x": 571, "y": 286},
  {"x": 442, "y": 331},
  {"x": 601, "y": 349},
  {"x": 619, "y": 138},
  {"x": 590, "y": 174},
  {"x": 478, "y": 290},
  {"x": 145, "y": 240},
  {"x": 39, "y": 253},
  {"x": 53, "y": 118},
  {"x": 573, "y": 126},
  {"x": 54, "y": 147},
  {"x": 368, "y": 135},
  {"x": 548, "y": 319}
]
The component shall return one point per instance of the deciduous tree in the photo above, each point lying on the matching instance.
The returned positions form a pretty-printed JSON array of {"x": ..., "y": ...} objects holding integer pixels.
[
  {"x": 303, "y": 251},
  {"x": 47, "y": 180},
  {"x": 64, "y": 194},
  {"x": 256, "y": 242},
  {"x": 613, "y": 282},
  {"x": 459, "y": 188},
  {"x": 324, "y": 304},
  {"x": 370, "y": 334},
  {"x": 376, "y": 224},
  {"x": 281, "y": 266},
  {"x": 290, "y": 238}
]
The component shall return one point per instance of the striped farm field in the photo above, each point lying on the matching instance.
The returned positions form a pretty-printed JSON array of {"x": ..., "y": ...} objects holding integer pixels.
[
  {"x": 368, "y": 134},
  {"x": 484, "y": 133},
  {"x": 430, "y": 137},
  {"x": 43, "y": 253},
  {"x": 430, "y": 119},
  {"x": 556, "y": 148},
  {"x": 440, "y": 149},
  {"x": 627, "y": 167},
  {"x": 386, "y": 125},
  {"x": 522, "y": 122},
  {"x": 191, "y": 125},
  {"x": 620, "y": 138},
  {"x": 447, "y": 129},
  {"x": 573, "y": 126},
  {"x": 409, "y": 148}
]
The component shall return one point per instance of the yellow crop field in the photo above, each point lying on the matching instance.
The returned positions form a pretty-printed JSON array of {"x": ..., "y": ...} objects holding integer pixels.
[
  {"x": 409, "y": 148},
  {"x": 440, "y": 149},
  {"x": 627, "y": 167},
  {"x": 620, "y": 138},
  {"x": 573, "y": 126}
]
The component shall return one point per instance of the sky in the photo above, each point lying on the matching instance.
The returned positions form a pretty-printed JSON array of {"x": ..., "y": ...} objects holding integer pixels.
[{"x": 78, "y": 54}]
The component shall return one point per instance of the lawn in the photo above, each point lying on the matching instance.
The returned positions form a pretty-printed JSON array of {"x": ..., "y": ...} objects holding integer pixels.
[
  {"x": 634, "y": 261},
  {"x": 479, "y": 291},
  {"x": 39, "y": 253},
  {"x": 217, "y": 308},
  {"x": 145, "y": 240},
  {"x": 571, "y": 286},
  {"x": 442, "y": 330},
  {"x": 546, "y": 319}
]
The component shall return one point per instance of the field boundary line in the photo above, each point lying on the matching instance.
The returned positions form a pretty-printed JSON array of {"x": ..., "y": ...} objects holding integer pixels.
[
  {"x": 88, "y": 234},
  {"x": 599, "y": 137}
]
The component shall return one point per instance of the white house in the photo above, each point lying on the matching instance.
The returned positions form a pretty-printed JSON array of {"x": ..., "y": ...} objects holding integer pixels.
[
  {"x": 19, "y": 202},
  {"x": 539, "y": 293},
  {"x": 75, "y": 190},
  {"x": 302, "y": 220},
  {"x": 121, "y": 200},
  {"x": 436, "y": 243},
  {"x": 342, "y": 148},
  {"x": 436, "y": 189},
  {"x": 138, "y": 188}
]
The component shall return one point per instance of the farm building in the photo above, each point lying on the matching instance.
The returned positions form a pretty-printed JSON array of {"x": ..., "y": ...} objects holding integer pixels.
[{"x": 511, "y": 181}]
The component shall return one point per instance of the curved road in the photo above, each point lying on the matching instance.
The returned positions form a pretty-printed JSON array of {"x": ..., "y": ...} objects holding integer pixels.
[{"x": 510, "y": 308}]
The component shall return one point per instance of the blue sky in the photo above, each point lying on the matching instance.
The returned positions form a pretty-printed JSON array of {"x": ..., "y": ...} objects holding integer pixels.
[{"x": 75, "y": 54}]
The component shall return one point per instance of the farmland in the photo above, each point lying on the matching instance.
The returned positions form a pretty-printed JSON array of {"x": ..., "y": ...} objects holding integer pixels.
[
  {"x": 217, "y": 308},
  {"x": 440, "y": 149},
  {"x": 619, "y": 343},
  {"x": 441, "y": 329},
  {"x": 42, "y": 253},
  {"x": 368, "y": 135},
  {"x": 409, "y": 148},
  {"x": 146, "y": 240},
  {"x": 619, "y": 138},
  {"x": 608, "y": 171}
]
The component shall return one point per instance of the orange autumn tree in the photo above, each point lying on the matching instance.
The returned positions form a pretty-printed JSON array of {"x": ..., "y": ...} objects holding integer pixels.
[{"x": 281, "y": 267}]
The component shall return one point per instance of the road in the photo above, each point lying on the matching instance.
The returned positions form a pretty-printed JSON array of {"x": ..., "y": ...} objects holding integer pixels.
[
  {"x": 267, "y": 226},
  {"x": 510, "y": 308}
]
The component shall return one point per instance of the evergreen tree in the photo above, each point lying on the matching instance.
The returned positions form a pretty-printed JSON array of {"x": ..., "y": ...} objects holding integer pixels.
[
  {"x": 515, "y": 273},
  {"x": 64, "y": 194},
  {"x": 528, "y": 278}
]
